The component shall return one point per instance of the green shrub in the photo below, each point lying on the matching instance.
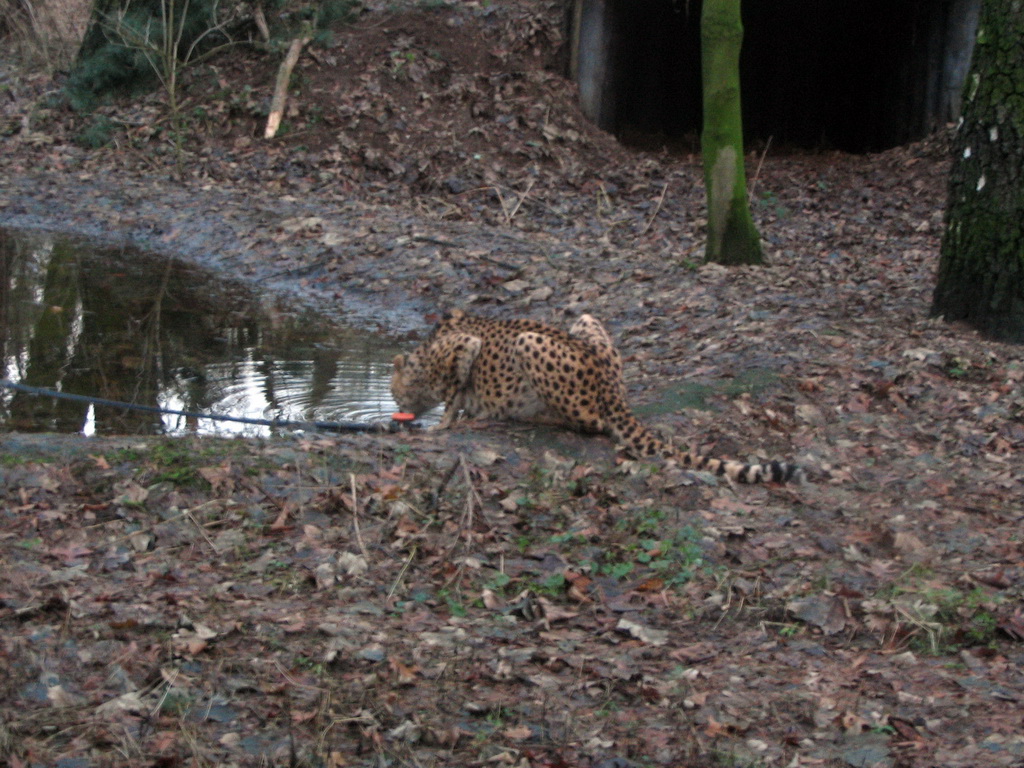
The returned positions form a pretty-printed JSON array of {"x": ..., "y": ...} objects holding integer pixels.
[
  {"x": 98, "y": 133},
  {"x": 110, "y": 64}
]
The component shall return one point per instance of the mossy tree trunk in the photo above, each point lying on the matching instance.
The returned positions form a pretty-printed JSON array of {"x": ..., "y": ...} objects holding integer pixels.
[
  {"x": 732, "y": 237},
  {"x": 981, "y": 267}
]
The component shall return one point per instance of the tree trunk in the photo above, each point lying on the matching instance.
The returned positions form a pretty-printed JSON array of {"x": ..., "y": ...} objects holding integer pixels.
[
  {"x": 732, "y": 237},
  {"x": 981, "y": 267}
]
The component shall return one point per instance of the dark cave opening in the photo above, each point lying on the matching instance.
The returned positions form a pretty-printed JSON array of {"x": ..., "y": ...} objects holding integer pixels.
[{"x": 854, "y": 75}]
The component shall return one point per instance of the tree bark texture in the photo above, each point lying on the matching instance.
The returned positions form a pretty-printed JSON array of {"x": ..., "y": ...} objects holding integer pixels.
[
  {"x": 732, "y": 237},
  {"x": 981, "y": 267}
]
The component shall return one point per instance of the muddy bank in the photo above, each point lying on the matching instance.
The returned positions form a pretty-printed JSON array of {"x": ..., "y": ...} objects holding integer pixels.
[{"x": 234, "y": 233}]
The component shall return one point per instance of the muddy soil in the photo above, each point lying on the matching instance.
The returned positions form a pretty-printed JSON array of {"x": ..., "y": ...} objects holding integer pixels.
[{"x": 509, "y": 595}]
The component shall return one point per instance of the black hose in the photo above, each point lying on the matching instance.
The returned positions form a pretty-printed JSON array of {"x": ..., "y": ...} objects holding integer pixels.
[{"x": 329, "y": 426}]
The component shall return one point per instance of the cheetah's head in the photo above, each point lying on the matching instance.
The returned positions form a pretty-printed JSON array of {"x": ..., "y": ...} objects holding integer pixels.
[{"x": 411, "y": 387}]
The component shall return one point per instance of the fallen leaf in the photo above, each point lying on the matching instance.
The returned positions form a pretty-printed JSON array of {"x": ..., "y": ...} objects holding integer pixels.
[
  {"x": 517, "y": 733},
  {"x": 643, "y": 633},
  {"x": 827, "y": 612}
]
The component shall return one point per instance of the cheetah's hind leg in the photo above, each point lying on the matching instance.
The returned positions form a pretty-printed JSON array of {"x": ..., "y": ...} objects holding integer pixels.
[{"x": 550, "y": 366}]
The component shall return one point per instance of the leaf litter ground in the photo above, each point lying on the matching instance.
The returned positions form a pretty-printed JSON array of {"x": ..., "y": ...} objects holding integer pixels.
[{"x": 503, "y": 595}]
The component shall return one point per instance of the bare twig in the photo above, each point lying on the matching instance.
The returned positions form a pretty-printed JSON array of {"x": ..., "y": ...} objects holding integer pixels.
[
  {"x": 757, "y": 173},
  {"x": 471, "y": 489},
  {"x": 435, "y": 497},
  {"x": 657, "y": 210},
  {"x": 355, "y": 520},
  {"x": 292, "y": 681},
  {"x": 401, "y": 573},
  {"x": 173, "y": 675},
  {"x": 473, "y": 502},
  {"x": 515, "y": 209},
  {"x": 209, "y": 541}
]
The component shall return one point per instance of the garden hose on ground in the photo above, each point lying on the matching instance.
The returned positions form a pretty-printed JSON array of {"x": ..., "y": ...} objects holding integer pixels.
[{"x": 327, "y": 426}]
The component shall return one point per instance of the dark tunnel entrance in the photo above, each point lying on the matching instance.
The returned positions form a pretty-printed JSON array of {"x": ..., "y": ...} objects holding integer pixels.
[{"x": 854, "y": 75}]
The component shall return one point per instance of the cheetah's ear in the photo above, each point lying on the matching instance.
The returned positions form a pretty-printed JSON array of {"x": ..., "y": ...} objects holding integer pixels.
[
  {"x": 454, "y": 314},
  {"x": 399, "y": 363}
]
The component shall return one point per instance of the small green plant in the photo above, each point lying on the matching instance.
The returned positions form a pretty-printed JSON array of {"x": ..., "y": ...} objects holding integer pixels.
[
  {"x": 617, "y": 571},
  {"x": 498, "y": 582},
  {"x": 962, "y": 368},
  {"x": 98, "y": 133},
  {"x": 123, "y": 456},
  {"x": 650, "y": 521},
  {"x": 311, "y": 665},
  {"x": 609, "y": 708},
  {"x": 769, "y": 200},
  {"x": 399, "y": 59},
  {"x": 957, "y": 369},
  {"x": 525, "y": 503},
  {"x": 941, "y": 620},
  {"x": 16, "y": 460},
  {"x": 175, "y": 702},
  {"x": 497, "y": 716},
  {"x": 673, "y": 554},
  {"x": 968, "y": 613},
  {"x": 174, "y": 463},
  {"x": 552, "y": 586},
  {"x": 455, "y": 605},
  {"x": 981, "y": 629}
]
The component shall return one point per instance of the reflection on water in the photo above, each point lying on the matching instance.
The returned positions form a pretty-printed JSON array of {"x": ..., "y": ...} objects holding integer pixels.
[{"x": 134, "y": 327}]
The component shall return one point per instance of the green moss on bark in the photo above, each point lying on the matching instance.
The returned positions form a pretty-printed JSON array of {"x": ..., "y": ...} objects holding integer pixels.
[
  {"x": 981, "y": 268},
  {"x": 732, "y": 236}
]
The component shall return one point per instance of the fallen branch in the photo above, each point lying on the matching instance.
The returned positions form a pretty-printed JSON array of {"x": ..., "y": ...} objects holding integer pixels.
[{"x": 284, "y": 76}]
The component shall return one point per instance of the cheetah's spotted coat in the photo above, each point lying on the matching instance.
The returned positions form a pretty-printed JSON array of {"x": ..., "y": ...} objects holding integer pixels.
[{"x": 526, "y": 371}]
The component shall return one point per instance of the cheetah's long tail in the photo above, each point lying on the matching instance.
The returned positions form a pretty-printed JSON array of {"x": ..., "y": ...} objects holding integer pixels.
[
  {"x": 773, "y": 471},
  {"x": 638, "y": 440}
]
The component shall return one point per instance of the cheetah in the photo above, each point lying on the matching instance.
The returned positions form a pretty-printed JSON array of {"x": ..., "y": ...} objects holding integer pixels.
[{"x": 523, "y": 370}]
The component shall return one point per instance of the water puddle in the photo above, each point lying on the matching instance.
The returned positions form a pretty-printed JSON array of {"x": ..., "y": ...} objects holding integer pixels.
[{"x": 134, "y": 327}]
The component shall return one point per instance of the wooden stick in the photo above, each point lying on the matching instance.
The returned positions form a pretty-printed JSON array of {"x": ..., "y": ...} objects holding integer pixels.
[
  {"x": 355, "y": 520},
  {"x": 284, "y": 76},
  {"x": 261, "y": 22}
]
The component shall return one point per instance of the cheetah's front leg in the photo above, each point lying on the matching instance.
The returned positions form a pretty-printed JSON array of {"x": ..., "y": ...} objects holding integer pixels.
[{"x": 457, "y": 369}]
